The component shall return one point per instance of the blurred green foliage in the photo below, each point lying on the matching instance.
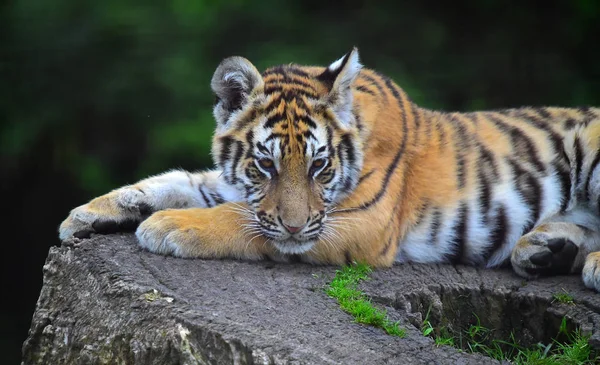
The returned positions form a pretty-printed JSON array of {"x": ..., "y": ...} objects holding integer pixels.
[
  {"x": 97, "y": 94},
  {"x": 121, "y": 89}
]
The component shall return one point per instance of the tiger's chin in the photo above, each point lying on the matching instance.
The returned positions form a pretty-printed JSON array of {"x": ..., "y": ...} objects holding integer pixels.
[{"x": 294, "y": 247}]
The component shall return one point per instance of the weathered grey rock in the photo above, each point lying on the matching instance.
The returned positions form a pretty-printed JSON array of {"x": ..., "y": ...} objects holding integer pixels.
[{"x": 106, "y": 301}]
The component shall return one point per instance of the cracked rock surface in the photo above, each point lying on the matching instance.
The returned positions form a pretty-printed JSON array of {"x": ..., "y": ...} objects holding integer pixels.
[{"x": 106, "y": 301}]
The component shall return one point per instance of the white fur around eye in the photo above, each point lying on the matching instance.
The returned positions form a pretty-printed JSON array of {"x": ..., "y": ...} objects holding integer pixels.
[
  {"x": 316, "y": 171},
  {"x": 263, "y": 170}
]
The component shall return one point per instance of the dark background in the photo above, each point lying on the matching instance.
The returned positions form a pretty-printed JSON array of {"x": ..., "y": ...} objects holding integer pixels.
[{"x": 98, "y": 94}]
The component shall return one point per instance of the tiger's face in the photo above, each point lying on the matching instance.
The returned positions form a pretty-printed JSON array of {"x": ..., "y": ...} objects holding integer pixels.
[{"x": 288, "y": 140}]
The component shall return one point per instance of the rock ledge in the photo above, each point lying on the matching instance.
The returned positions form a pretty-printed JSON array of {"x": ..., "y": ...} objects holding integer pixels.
[{"x": 106, "y": 301}]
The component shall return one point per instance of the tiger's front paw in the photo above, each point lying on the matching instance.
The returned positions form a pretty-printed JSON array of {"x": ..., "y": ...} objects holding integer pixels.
[
  {"x": 536, "y": 255},
  {"x": 118, "y": 211},
  {"x": 171, "y": 232},
  {"x": 591, "y": 271}
]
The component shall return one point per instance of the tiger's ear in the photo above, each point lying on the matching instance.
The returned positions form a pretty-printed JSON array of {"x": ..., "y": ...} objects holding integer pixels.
[
  {"x": 232, "y": 83},
  {"x": 341, "y": 75}
]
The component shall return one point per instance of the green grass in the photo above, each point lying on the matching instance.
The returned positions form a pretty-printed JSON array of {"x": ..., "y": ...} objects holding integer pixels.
[
  {"x": 476, "y": 338},
  {"x": 343, "y": 287},
  {"x": 563, "y": 297},
  {"x": 442, "y": 338}
]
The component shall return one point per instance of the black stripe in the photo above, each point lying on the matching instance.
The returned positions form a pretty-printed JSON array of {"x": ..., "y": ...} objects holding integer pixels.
[
  {"x": 341, "y": 158},
  {"x": 250, "y": 189},
  {"x": 273, "y": 104},
  {"x": 300, "y": 104},
  {"x": 225, "y": 149},
  {"x": 236, "y": 159},
  {"x": 274, "y": 119},
  {"x": 485, "y": 191},
  {"x": 434, "y": 228},
  {"x": 543, "y": 112},
  {"x": 257, "y": 200},
  {"x": 283, "y": 69},
  {"x": 267, "y": 228},
  {"x": 365, "y": 90},
  {"x": 417, "y": 118},
  {"x": 578, "y": 160},
  {"x": 392, "y": 167},
  {"x": 522, "y": 144},
  {"x": 250, "y": 141},
  {"x": 246, "y": 119},
  {"x": 387, "y": 246},
  {"x": 590, "y": 173},
  {"x": 440, "y": 129},
  {"x": 253, "y": 173},
  {"x": 399, "y": 98},
  {"x": 530, "y": 190},
  {"x": 588, "y": 114},
  {"x": 291, "y": 83},
  {"x": 312, "y": 230},
  {"x": 564, "y": 177},
  {"x": 460, "y": 147},
  {"x": 326, "y": 176},
  {"x": 489, "y": 161},
  {"x": 285, "y": 137},
  {"x": 357, "y": 120},
  {"x": 460, "y": 235},
  {"x": 261, "y": 147},
  {"x": 365, "y": 176},
  {"x": 535, "y": 121},
  {"x": 421, "y": 213},
  {"x": 309, "y": 122},
  {"x": 206, "y": 200},
  {"x": 330, "y": 141},
  {"x": 218, "y": 198},
  {"x": 308, "y": 134},
  {"x": 472, "y": 117},
  {"x": 569, "y": 124},
  {"x": 289, "y": 93},
  {"x": 348, "y": 148},
  {"x": 373, "y": 82},
  {"x": 498, "y": 234},
  {"x": 287, "y": 79}
]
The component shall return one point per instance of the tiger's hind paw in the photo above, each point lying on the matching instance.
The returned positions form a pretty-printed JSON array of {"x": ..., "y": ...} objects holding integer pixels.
[
  {"x": 554, "y": 248},
  {"x": 591, "y": 271},
  {"x": 542, "y": 256}
]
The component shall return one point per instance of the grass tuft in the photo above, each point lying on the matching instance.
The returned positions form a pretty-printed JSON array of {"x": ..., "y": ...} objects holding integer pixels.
[
  {"x": 343, "y": 287},
  {"x": 563, "y": 297},
  {"x": 476, "y": 338}
]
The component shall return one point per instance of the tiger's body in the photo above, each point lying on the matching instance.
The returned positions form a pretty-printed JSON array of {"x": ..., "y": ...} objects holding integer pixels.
[{"x": 336, "y": 164}]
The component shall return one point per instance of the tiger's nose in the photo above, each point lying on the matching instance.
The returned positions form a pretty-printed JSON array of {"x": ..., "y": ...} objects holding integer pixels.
[{"x": 292, "y": 229}]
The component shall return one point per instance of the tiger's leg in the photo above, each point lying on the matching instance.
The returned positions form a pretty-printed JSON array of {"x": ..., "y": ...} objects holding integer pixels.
[
  {"x": 556, "y": 248},
  {"x": 227, "y": 230},
  {"x": 230, "y": 230},
  {"x": 124, "y": 208}
]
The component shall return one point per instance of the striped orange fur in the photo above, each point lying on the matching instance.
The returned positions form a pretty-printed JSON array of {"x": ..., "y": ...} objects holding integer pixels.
[{"x": 336, "y": 164}]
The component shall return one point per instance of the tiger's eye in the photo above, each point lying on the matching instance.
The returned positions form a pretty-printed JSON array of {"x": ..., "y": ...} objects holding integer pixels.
[
  {"x": 265, "y": 163},
  {"x": 318, "y": 163},
  {"x": 316, "y": 166}
]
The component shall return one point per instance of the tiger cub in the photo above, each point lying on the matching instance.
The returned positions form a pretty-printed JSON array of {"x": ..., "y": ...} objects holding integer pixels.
[{"x": 336, "y": 164}]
